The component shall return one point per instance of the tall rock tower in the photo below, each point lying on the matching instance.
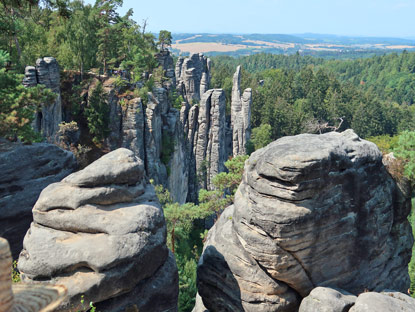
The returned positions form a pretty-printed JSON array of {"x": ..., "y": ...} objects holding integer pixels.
[
  {"x": 240, "y": 115},
  {"x": 46, "y": 72}
]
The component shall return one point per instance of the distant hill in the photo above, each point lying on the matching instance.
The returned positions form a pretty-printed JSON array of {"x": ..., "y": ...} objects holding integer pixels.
[{"x": 309, "y": 44}]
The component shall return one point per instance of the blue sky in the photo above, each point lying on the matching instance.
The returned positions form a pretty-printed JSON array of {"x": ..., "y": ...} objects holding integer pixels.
[{"x": 381, "y": 18}]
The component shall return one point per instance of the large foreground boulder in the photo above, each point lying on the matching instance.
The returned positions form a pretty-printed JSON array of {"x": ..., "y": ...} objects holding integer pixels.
[
  {"x": 101, "y": 233},
  {"x": 312, "y": 210},
  {"x": 25, "y": 170}
]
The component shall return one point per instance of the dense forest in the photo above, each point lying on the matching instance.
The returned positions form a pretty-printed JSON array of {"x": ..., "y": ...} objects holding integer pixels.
[
  {"x": 294, "y": 94},
  {"x": 291, "y": 95}
]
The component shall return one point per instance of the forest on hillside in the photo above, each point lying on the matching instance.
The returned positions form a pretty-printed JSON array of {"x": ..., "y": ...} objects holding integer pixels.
[
  {"x": 295, "y": 94},
  {"x": 292, "y": 94}
]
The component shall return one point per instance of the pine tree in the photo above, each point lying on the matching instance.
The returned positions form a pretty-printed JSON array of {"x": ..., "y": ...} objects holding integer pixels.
[{"x": 97, "y": 115}]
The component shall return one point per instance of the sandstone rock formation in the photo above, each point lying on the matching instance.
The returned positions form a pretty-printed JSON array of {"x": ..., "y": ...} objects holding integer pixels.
[
  {"x": 165, "y": 60},
  {"x": 24, "y": 171},
  {"x": 183, "y": 149},
  {"x": 192, "y": 77},
  {"x": 153, "y": 140},
  {"x": 240, "y": 115},
  {"x": 323, "y": 299},
  {"x": 311, "y": 210},
  {"x": 46, "y": 73},
  {"x": 144, "y": 127},
  {"x": 210, "y": 152},
  {"x": 133, "y": 127},
  {"x": 101, "y": 233},
  {"x": 386, "y": 301}
]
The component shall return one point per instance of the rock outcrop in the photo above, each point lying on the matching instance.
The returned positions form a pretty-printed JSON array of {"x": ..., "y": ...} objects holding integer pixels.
[
  {"x": 24, "y": 171},
  {"x": 184, "y": 147},
  {"x": 101, "y": 233},
  {"x": 193, "y": 77},
  {"x": 240, "y": 115},
  {"x": 46, "y": 73},
  {"x": 311, "y": 210},
  {"x": 210, "y": 149},
  {"x": 325, "y": 299},
  {"x": 133, "y": 127},
  {"x": 153, "y": 140},
  {"x": 386, "y": 301}
]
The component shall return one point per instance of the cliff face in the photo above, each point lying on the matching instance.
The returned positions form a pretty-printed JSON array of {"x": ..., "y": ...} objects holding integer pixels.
[
  {"x": 46, "y": 72},
  {"x": 311, "y": 210},
  {"x": 183, "y": 149}
]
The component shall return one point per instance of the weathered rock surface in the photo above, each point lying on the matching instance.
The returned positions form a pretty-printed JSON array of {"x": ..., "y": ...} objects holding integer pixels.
[
  {"x": 24, "y": 171},
  {"x": 178, "y": 160},
  {"x": 133, "y": 127},
  {"x": 325, "y": 299},
  {"x": 210, "y": 147},
  {"x": 101, "y": 233},
  {"x": 311, "y": 210},
  {"x": 181, "y": 149},
  {"x": 385, "y": 302},
  {"x": 192, "y": 76},
  {"x": 165, "y": 60},
  {"x": 46, "y": 73},
  {"x": 240, "y": 115},
  {"x": 153, "y": 140}
]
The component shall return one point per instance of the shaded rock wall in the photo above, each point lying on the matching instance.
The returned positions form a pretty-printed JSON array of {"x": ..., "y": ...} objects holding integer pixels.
[
  {"x": 25, "y": 170},
  {"x": 101, "y": 233},
  {"x": 311, "y": 210},
  {"x": 46, "y": 72}
]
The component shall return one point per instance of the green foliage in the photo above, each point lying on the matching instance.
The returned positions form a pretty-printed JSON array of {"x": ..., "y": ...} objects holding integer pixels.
[
  {"x": 15, "y": 273},
  {"x": 187, "y": 283},
  {"x": 143, "y": 92},
  {"x": 411, "y": 266},
  {"x": 386, "y": 143},
  {"x": 260, "y": 137},
  {"x": 226, "y": 183},
  {"x": 4, "y": 57},
  {"x": 167, "y": 143},
  {"x": 120, "y": 82},
  {"x": 159, "y": 75},
  {"x": 179, "y": 217},
  {"x": 164, "y": 39},
  {"x": 296, "y": 94},
  {"x": 81, "y": 36},
  {"x": 405, "y": 150},
  {"x": 97, "y": 114}
]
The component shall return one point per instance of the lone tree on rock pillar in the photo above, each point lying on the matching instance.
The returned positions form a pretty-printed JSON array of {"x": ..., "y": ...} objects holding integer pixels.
[{"x": 165, "y": 39}]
